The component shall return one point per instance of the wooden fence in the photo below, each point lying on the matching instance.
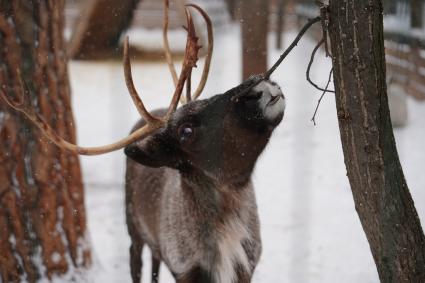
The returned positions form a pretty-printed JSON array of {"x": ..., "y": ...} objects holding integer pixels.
[{"x": 405, "y": 56}]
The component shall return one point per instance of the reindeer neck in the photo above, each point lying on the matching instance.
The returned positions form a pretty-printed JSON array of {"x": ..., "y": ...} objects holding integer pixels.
[
  {"x": 222, "y": 214},
  {"x": 217, "y": 199}
]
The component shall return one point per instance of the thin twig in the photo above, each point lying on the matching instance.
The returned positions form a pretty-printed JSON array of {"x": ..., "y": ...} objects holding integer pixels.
[
  {"x": 324, "y": 15},
  {"x": 307, "y": 73},
  {"x": 293, "y": 44},
  {"x": 267, "y": 74},
  {"x": 313, "y": 119}
]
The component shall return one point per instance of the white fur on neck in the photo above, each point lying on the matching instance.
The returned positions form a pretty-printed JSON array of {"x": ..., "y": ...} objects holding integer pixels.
[
  {"x": 231, "y": 251},
  {"x": 228, "y": 240}
]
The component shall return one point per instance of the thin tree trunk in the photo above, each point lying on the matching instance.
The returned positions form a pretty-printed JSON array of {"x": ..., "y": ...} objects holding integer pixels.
[
  {"x": 416, "y": 13},
  {"x": 42, "y": 216},
  {"x": 254, "y": 37},
  {"x": 231, "y": 6},
  {"x": 279, "y": 23},
  {"x": 99, "y": 29},
  {"x": 382, "y": 198}
]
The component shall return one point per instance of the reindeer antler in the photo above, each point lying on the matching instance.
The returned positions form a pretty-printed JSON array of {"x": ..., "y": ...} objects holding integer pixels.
[
  {"x": 152, "y": 123},
  {"x": 167, "y": 50},
  {"x": 189, "y": 62},
  {"x": 208, "y": 57},
  {"x": 130, "y": 86}
]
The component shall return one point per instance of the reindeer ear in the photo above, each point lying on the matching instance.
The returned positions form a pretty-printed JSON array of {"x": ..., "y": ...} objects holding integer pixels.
[{"x": 153, "y": 151}]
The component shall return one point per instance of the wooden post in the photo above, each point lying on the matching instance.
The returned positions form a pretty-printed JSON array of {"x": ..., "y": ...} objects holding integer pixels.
[
  {"x": 254, "y": 37},
  {"x": 279, "y": 23}
]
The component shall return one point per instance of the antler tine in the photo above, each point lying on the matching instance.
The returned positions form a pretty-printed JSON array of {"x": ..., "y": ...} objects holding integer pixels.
[
  {"x": 167, "y": 50},
  {"x": 130, "y": 85},
  {"x": 49, "y": 133},
  {"x": 189, "y": 87},
  {"x": 208, "y": 57},
  {"x": 190, "y": 58},
  {"x": 152, "y": 122}
]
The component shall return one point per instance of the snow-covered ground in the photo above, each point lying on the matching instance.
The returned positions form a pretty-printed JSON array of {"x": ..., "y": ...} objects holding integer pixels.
[{"x": 310, "y": 230}]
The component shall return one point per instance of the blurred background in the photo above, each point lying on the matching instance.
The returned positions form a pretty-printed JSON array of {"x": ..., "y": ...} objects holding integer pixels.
[
  {"x": 309, "y": 226},
  {"x": 310, "y": 229}
]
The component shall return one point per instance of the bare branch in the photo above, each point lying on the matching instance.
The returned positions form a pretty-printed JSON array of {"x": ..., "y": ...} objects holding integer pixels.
[
  {"x": 268, "y": 73},
  {"x": 307, "y": 74},
  {"x": 324, "y": 15},
  {"x": 313, "y": 119},
  {"x": 293, "y": 44}
]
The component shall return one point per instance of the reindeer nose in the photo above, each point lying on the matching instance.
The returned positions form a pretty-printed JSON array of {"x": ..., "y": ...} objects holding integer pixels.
[
  {"x": 275, "y": 90},
  {"x": 269, "y": 90},
  {"x": 262, "y": 91}
]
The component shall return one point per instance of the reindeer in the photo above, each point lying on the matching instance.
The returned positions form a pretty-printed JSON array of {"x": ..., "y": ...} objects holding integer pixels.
[{"x": 189, "y": 194}]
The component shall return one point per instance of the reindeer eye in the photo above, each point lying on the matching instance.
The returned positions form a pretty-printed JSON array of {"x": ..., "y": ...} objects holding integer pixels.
[{"x": 186, "y": 132}]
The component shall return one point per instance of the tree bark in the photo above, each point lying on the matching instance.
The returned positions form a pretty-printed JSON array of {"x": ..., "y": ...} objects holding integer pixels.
[
  {"x": 42, "y": 216},
  {"x": 254, "y": 37},
  {"x": 382, "y": 198}
]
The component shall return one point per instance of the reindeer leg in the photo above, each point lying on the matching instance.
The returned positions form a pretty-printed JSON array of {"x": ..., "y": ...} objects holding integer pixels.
[
  {"x": 155, "y": 269},
  {"x": 136, "y": 260}
]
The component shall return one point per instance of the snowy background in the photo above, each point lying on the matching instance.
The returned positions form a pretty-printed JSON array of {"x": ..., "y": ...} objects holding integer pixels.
[{"x": 310, "y": 230}]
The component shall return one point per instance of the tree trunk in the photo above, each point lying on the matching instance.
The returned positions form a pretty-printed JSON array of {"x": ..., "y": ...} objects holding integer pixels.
[
  {"x": 99, "y": 29},
  {"x": 416, "y": 13},
  {"x": 279, "y": 23},
  {"x": 42, "y": 216},
  {"x": 382, "y": 198},
  {"x": 231, "y": 6},
  {"x": 254, "y": 37}
]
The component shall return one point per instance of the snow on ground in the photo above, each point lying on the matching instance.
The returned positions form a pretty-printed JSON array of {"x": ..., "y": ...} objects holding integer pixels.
[{"x": 310, "y": 230}]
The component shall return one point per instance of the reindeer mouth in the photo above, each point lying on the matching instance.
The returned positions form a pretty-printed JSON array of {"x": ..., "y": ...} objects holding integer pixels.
[
  {"x": 274, "y": 110},
  {"x": 274, "y": 99}
]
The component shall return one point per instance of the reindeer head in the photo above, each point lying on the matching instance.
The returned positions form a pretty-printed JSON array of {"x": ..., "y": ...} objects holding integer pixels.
[{"x": 220, "y": 137}]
